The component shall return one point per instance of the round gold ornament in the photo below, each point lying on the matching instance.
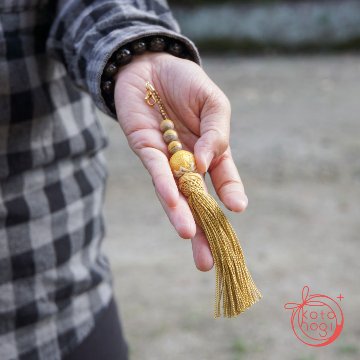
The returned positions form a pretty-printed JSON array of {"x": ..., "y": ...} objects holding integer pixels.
[{"x": 181, "y": 162}]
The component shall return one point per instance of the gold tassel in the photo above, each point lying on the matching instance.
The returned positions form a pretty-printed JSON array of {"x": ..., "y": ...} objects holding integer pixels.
[{"x": 234, "y": 284}]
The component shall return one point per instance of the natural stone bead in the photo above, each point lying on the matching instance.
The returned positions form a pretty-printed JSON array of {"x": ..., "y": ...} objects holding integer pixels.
[
  {"x": 166, "y": 124},
  {"x": 123, "y": 56},
  {"x": 181, "y": 162},
  {"x": 138, "y": 47},
  {"x": 175, "y": 49},
  {"x": 157, "y": 44},
  {"x": 107, "y": 87},
  {"x": 112, "y": 106},
  {"x": 170, "y": 135},
  {"x": 174, "y": 146},
  {"x": 111, "y": 70}
]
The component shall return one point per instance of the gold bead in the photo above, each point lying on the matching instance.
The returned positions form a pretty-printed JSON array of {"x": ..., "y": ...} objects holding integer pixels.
[
  {"x": 166, "y": 124},
  {"x": 181, "y": 162},
  {"x": 170, "y": 135},
  {"x": 174, "y": 146}
]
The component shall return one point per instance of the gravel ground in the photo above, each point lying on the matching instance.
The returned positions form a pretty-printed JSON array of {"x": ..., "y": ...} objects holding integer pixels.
[{"x": 295, "y": 138}]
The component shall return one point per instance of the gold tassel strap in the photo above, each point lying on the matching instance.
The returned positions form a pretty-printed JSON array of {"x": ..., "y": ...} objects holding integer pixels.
[{"x": 234, "y": 284}]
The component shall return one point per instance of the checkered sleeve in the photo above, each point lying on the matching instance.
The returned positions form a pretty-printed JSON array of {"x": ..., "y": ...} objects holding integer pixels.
[{"x": 85, "y": 34}]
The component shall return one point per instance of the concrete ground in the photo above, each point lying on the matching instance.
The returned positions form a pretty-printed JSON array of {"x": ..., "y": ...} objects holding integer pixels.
[{"x": 296, "y": 140}]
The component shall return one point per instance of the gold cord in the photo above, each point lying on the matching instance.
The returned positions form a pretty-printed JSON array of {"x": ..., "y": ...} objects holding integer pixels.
[{"x": 152, "y": 97}]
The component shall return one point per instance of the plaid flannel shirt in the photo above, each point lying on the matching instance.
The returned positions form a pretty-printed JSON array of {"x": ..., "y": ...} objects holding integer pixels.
[{"x": 54, "y": 280}]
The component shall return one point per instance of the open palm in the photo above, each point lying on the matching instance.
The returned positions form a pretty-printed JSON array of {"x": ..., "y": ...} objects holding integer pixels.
[{"x": 201, "y": 114}]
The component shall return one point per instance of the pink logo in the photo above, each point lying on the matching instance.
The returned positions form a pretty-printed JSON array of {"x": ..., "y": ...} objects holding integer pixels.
[{"x": 318, "y": 320}]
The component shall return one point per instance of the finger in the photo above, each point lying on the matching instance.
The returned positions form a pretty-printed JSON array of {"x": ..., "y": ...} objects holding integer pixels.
[
  {"x": 180, "y": 217},
  {"x": 201, "y": 251},
  {"x": 214, "y": 130},
  {"x": 157, "y": 165},
  {"x": 227, "y": 183}
]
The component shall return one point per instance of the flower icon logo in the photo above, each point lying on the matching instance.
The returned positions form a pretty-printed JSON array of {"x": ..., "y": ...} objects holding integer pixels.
[{"x": 318, "y": 320}]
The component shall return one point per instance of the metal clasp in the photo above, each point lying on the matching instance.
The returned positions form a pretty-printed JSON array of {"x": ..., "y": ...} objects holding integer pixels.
[{"x": 150, "y": 97}]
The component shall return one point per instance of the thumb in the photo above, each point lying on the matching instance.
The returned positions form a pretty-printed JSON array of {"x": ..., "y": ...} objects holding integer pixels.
[{"x": 214, "y": 130}]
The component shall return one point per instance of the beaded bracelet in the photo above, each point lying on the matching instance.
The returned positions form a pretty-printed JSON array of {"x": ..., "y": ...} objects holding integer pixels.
[{"x": 124, "y": 55}]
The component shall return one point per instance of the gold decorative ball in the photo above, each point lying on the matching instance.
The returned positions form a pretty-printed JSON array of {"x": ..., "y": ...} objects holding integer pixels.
[{"x": 181, "y": 162}]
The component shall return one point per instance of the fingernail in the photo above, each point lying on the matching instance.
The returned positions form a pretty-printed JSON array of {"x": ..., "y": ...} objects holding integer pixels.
[
  {"x": 238, "y": 203},
  {"x": 186, "y": 228},
  {"x": 207, "y": 160},
  {"x": 243, "y": 201}
]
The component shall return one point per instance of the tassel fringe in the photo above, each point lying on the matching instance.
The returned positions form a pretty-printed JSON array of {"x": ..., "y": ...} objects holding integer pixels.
[{"x": 234, "y": 284}]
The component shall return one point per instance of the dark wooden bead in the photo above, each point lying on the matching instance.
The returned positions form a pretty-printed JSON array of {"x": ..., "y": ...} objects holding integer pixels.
[
  {"x": 138, "y": 47},
  {"x": 107, "y": 87},
  {"x": 112, "y": 106},
  {"x": 157, "y": 44},
  {"x": 123, "y": 56},
  {"x": 175, "y": 48},
  {"x": 111, "y": 70}
]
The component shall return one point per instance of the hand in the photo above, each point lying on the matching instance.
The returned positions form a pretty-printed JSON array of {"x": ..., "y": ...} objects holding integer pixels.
[{"x": 201, "y": 114}]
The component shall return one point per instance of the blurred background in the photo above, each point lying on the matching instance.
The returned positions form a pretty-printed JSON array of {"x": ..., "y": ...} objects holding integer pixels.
[{"x": 292, "y": 73}]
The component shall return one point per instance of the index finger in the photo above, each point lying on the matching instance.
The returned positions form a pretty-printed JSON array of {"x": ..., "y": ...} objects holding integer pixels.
[{"x": 157, "y": 165}]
